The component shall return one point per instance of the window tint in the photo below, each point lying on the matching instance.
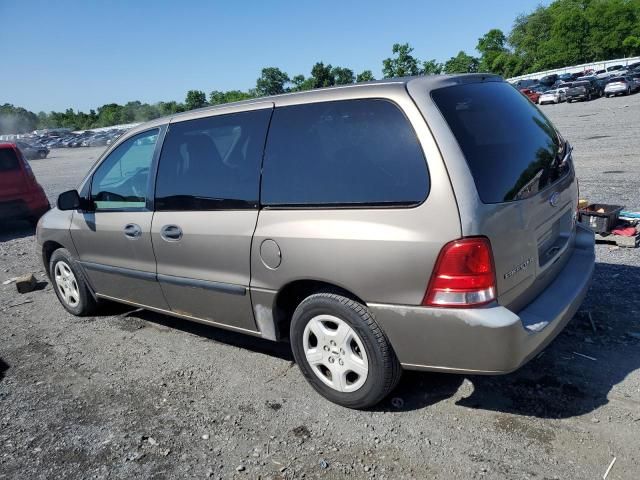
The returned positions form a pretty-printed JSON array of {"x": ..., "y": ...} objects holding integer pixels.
[
  {"x": 353, "y": 152},
  {"x": 512, "y": 149},
  {"x": 8, "y": 160},
  {"x": 122, "y": 180},
  {"x": 212, "y": 163}
]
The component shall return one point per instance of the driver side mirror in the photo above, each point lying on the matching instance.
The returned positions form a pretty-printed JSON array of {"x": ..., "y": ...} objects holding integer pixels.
[{"x": 69, "y": 200}]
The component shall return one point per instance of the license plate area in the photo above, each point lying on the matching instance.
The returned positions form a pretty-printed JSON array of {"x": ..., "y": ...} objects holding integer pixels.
[{"x": 553, "y": 238}]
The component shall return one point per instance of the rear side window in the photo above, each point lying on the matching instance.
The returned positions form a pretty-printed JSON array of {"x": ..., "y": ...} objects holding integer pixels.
[
  {"x": 212, "y": 163},
  {"x": 8, "y": 160},
  {"x": 512, "y": 149},
  {"x": 343, "y": 153}
]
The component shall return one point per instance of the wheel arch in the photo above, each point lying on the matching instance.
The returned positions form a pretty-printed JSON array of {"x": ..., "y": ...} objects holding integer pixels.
[
  {"x": 289, "y": 296},
  {"x": 48, "y": 248}
]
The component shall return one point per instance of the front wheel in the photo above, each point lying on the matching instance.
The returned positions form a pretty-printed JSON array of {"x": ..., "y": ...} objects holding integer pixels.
[
  {"x": 342, "y": 352},
  {"x": 69, "y": 284},
  {"x": 42, "y": 155}
]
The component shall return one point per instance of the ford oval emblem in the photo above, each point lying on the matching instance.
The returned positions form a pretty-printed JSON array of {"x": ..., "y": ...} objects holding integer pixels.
[{"x": 553, "y": 199}]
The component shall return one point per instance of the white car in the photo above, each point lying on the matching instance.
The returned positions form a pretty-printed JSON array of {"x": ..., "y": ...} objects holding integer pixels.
[
  {"x": 617, "y": 86},
  {"x": 552, "y": 96}
]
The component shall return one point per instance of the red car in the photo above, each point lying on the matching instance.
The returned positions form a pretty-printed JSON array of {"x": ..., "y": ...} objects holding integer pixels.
[
  {"x": 530, "y": 94},
  {"x": 21, "y": 196}
]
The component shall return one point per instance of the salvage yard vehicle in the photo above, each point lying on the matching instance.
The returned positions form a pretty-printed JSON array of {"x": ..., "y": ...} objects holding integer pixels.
[
  {"x": 32, "y": 151},
  {"x": 21, "y": 196},
  {"x": 424, "y": 223},
  {"x": 582, "y": 90},
  {"x": 531, "y": 94},
  {"x": 634, "y": 80},
  {"x": 553, "y": 96},
  {"x": 617, "y": 86}
]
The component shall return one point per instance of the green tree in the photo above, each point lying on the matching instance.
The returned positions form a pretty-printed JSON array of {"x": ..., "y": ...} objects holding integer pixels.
[
  {"x": 322, "y": 76},
  {"x": 610, "y": 24},
  {"x": 272, "y": 81},
  {"x": 631, "y": 45},
  {"x": 365, "y": 76},
  {"x": 431, "y": 67},
  {"x": 216, "y": 97},
  {"x": 491, "y": 45},
  {"x": 16, "y": 119},
  {"x": 342, "y": 76},
  {"x": 402, "y": 64},
  {"x": 461, "y": 63},
  {"x": 170, "y": 108},
  {"x": 195, "y": 99}
]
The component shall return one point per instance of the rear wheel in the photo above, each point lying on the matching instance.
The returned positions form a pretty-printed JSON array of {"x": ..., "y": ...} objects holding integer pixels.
[
  {"x": 69, "y": 284},
  {"x": 342, "y": 352},
  {"x": 42, "y": 154}
]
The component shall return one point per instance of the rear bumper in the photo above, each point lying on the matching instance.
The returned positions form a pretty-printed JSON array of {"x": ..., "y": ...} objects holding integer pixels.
[{"x": 489, "y": 340}]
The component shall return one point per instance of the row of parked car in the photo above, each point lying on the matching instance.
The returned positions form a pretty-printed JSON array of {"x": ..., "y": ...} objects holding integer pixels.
[
  {"x": 40, "y": 143},
  {"x": 587, "y": 85}
]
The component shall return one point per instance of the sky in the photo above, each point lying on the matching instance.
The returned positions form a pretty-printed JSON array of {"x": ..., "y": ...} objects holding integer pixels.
[{"x": 83, "y": 54}]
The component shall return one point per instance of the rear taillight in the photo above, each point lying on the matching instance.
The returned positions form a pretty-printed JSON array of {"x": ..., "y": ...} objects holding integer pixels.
[{"x": 464, "y": 275}]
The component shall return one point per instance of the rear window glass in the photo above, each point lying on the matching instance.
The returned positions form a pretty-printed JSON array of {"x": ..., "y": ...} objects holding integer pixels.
[
  {"x": 8, "y": 160},
  {"x": 343, "y": 153},
  {"x": 512, "y": 149}
]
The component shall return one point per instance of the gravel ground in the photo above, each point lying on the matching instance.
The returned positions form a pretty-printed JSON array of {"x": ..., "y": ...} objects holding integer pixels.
[{"x": 136, "y": 394}]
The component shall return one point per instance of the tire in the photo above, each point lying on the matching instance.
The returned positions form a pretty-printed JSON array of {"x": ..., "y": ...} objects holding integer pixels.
[
  {"x": 365, "y": 345},
  {"x": 62, "y": 262},
  {"x": 42, "y": 155},
  {"x": 569, "y": 100}
]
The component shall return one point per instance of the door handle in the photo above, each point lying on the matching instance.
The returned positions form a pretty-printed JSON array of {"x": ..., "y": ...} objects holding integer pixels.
[
  {"x": 171, "y": 233},
  {"x": 131, "y": 230}
]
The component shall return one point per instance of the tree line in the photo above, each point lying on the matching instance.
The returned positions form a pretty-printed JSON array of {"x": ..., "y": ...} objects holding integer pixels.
[{"x": 566, "y": 32}]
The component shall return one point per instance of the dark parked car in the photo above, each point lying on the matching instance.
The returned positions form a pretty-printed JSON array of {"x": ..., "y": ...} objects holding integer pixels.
[
  {"x": 582, "y": 90},
  {"x": 520, "y": 84},
  {"x": 32, "y": 151},
  {"x": 21, "y": 196},
  {"x": 549, "y": 80},
  {"x": 634, "y": 80},
  {"x": 615, "y": 67}
]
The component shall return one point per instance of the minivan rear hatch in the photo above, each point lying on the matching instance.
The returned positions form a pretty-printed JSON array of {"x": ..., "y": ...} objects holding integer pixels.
[{"x": 526, "y": 190}]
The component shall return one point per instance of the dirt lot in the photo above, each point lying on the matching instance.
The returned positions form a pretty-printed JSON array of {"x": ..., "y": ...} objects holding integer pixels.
[{"x": 132, "y": 394}]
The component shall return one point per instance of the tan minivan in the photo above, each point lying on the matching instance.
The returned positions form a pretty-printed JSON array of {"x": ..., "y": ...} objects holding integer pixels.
[{"x": 423, "y": 223}]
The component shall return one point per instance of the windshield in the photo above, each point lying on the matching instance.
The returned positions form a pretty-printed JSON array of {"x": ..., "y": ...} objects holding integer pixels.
[{"x": 512, "y": 149}]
